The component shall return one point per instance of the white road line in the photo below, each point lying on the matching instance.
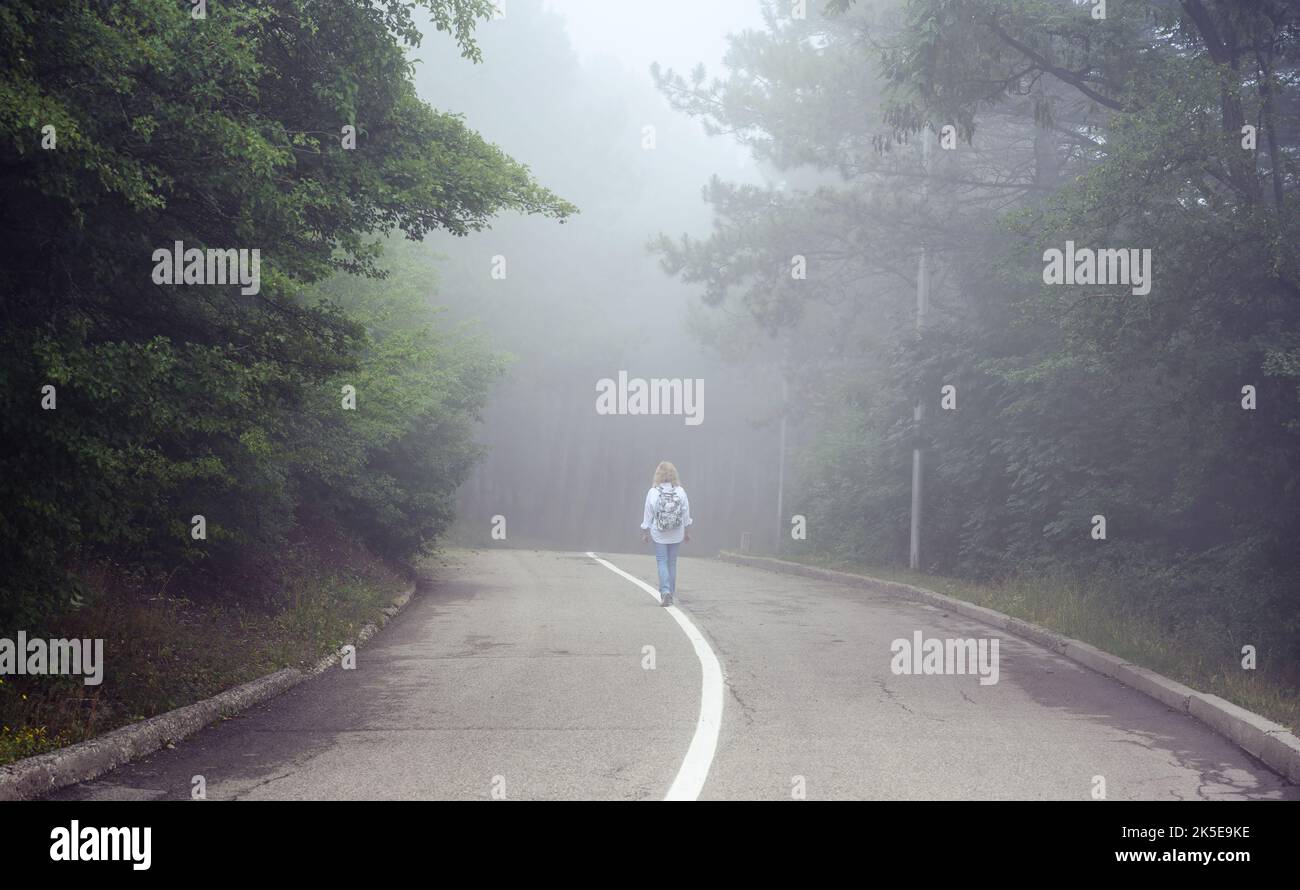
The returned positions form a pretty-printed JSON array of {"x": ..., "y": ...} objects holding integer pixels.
[{"x": 699, "y": 756}]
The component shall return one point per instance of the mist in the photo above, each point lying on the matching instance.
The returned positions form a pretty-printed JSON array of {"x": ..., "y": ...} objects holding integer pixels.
[
  {"x": 574, "y": 399},
  {"x": 587, "y": 301}
]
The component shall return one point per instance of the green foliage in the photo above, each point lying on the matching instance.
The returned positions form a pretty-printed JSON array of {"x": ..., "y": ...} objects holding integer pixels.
[
  {"x": 165, "y": 652},
  {"x": 223, "y": 133},
  {"x": 392, "y": 469}
]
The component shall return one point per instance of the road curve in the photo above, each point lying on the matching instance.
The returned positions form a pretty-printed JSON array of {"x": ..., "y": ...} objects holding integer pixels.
[{"x": 526, "y": 675}]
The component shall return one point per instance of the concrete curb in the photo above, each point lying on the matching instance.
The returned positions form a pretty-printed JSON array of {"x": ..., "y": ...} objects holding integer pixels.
[
  {"x": 36, "y": 776},
  {"x": 1269, "y": 742}
]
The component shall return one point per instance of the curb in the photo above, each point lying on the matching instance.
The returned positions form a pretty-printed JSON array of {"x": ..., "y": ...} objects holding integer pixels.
[
  {"x": 1269, "y": 742},
  {"x": 36, "y": 776}
]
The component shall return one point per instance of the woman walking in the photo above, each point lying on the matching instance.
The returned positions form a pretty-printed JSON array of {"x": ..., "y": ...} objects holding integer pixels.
[{"x": 666, "y": 517}]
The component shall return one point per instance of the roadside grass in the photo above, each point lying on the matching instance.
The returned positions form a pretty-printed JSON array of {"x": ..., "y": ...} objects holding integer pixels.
[
  {"x": 166, "y": 651},
  {"x": 1204, "y": 658}
]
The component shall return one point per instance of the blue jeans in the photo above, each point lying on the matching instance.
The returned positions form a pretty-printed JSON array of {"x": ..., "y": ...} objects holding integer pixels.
[{"x": 666, "y": 556}]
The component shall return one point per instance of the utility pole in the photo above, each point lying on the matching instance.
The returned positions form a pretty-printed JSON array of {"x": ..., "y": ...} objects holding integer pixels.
[
  {"x": 918, "y": 414},
  {"x": 780, "y": 460},
  {"x": 780, "y": 469}
]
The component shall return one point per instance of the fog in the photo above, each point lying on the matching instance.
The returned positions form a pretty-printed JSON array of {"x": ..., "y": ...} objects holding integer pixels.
[
  {"x": 566, "y": 89},
  {"x": 315, "y": 313},
  {"x": 993, "y": 295}
]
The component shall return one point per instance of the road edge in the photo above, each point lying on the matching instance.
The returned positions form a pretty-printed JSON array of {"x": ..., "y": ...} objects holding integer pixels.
[
  {"x": 34, "y": 777},
  {"x": 1271, "y": 743}
]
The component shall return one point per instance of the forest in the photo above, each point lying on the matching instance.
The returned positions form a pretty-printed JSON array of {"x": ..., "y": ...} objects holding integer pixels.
[
  {"x": 138, "y": 411},
  {"x": 1138, "y": 436},
  {"x": 1037, "y": 260}
]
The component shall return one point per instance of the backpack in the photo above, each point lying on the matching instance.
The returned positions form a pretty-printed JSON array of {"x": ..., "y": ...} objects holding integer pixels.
[{"x": 668, "y": 510}]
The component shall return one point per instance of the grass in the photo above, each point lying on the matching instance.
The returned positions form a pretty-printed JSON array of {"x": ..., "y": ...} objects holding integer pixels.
[
  {"x": 1097, "y": 614},
  {"x": 166, "y": 651}
]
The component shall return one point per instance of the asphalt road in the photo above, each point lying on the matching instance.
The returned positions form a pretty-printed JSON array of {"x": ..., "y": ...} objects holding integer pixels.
[{"x": 525, "y": 675}]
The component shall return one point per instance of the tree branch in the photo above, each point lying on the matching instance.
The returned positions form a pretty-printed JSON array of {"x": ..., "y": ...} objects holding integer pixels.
[{"x": 1056, "y": 71}]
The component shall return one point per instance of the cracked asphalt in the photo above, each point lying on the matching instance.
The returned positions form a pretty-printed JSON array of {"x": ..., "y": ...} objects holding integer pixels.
[{"x": 525, "y": 675}]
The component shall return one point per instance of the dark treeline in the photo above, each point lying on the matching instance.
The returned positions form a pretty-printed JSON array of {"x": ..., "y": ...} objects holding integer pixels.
[
  {"x": 1171, "y": 412},
  {"x": 133, "y": 406}
]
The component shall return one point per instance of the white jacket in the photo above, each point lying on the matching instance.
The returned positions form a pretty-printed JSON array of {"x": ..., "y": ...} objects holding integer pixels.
[{"x": 672, "y": 536}]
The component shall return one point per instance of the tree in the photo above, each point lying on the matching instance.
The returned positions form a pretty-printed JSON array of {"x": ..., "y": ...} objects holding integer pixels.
[
  {"x": 133, "y": 126},
  {"x": 1123, "y": 132}
]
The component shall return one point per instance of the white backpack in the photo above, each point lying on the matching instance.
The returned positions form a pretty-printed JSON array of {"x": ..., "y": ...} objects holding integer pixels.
[{"x": 668, "y": 510}]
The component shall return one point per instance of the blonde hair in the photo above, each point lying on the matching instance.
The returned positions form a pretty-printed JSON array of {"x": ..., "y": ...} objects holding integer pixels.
[{"x": 666, "y": 472}]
